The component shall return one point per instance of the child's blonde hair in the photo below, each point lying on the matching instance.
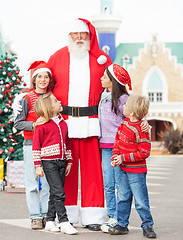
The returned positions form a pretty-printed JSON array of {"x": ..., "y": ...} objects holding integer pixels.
[
  {"x": 139, "y": 105},
  {"x": 43, "y": 107}
]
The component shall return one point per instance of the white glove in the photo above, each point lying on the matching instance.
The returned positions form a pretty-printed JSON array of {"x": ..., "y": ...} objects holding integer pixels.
[{"x": 17, "y": 108}]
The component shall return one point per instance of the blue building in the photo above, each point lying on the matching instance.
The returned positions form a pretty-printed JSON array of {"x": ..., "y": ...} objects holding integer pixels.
[{"x": 107, "y": 24}]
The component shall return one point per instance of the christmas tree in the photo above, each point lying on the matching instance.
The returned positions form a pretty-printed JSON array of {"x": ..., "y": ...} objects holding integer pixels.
[{"x": 10, "y": 85}]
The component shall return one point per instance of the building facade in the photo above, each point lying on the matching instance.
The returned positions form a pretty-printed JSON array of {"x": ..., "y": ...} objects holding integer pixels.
[{"x": 156, "y": 70}]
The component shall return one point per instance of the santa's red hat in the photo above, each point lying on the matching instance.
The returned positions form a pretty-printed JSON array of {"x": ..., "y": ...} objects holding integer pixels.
[
  {"x": 83, "y": 25},
  {"x": 120, "y": 75},
  {"x": 38, "y": 67}
]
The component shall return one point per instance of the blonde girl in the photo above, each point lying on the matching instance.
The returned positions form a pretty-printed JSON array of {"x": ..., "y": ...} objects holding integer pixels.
[{"x": 51, "y": 153}]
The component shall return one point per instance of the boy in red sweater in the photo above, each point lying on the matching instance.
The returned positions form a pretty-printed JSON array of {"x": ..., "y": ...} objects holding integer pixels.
[{"x": 131, "y": 148}]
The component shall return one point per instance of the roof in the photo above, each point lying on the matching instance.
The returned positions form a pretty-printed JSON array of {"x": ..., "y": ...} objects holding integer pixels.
[
  {"x": 176, "y": 50},
  {"x": 132, "y": 50}
]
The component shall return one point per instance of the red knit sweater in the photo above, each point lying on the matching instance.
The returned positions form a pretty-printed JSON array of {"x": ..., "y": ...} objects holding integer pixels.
[
  {"x": 50, "y": 142},
  {"x": 31, "y": 97},
  {"x": 133, "y": 145}
]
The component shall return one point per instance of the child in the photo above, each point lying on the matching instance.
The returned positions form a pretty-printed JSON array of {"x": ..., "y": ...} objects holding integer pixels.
[
  {"x": 37, "y": 201},
  {"x": 50, "y": 150},
  {"x": 131, "y": 148},
  {"x": 110, "y": 114},
  {"x": 113, "y": 98}
]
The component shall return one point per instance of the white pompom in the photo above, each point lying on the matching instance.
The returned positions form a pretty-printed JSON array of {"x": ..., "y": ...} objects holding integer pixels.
[{"x": 102, "y": 59}]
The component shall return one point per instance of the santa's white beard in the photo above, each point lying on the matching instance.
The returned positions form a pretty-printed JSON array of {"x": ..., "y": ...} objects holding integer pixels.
[{"x": 78, "y": 51}]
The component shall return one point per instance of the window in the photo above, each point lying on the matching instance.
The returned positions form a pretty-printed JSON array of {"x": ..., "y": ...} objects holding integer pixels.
[
  {"x": 155, "y": 86},
  {"x": 155, "y": 96}
]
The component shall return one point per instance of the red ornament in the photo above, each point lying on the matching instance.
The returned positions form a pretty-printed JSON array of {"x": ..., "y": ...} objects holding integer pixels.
[
  {"x": 3, "y": 125},
  {"x": 0, "y": 111},
  {"x": 1, "y": 66},
  {"x": 11, "y": 84},
  {"x": 11, "y": 150},
  {"x": 18, "y": 81},
  {"x": 8, "y": 58},
  {"x": 17, "y": 72},
  {"x": 10, "y": 96},
  {"x": 1, "y": 151},
  {"x": 10, "y": 102},
  {"x": 8, "y": 61},
  {"x": 1, "y": 61},
  {"x": 14, "y": 141},
  {"x": 25, "y": 84},
  {"x": 9, "y": 74},
  {"x": 7, "y": 86},
  {"x": 10, "y": 136},
  {"x": 9, "y": 122},
  {"x": 20, "y": 77}
]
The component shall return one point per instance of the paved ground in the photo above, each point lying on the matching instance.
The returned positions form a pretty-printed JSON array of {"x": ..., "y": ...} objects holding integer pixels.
[{"x": 165, "y": 184}]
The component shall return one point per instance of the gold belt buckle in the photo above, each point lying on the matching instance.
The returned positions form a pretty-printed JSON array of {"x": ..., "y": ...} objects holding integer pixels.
[{"x": 75, "y": 107}]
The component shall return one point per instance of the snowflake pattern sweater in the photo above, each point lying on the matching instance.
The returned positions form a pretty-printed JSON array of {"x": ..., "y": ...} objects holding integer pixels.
[
  {"x": 51, "y": 142},
  {"x": 133, "y": 145}
]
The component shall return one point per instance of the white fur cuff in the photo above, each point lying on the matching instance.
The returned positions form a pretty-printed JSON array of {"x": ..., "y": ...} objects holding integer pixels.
[{"x": 92, "y": 215}]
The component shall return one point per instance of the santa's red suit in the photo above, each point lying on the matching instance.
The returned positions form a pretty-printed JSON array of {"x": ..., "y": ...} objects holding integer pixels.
[{"x": 78, "y": 83}]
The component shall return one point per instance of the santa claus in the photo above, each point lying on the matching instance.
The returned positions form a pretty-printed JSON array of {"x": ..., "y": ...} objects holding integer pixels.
[{"x": 77, "y": 70}]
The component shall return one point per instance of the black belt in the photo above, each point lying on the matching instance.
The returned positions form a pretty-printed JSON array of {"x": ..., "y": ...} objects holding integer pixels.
[{"x": 80, "y": 111}]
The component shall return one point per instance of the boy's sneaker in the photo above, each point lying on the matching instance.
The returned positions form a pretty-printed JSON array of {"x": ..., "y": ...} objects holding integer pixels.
[
  {"x": 51, "y": 226},
  {"x": 109, "y": 224},
  {"x": 149, "y": 232},
  {"x": 36, "y": 224},
  {"x": 67, "y": 228},
  {"x": 118, "y": 230}
]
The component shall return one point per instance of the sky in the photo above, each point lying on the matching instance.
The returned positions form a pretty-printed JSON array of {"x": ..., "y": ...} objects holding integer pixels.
[{"x": 36, "y": 29}]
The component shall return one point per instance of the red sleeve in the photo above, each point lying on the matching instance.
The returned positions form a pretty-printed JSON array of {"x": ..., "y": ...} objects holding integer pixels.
[
  {"x": 36, "y": 145},
  {"x": 68, "y": 151},
  {"x": 116, "y": 150},
  {"x": 143, "y": 152}
]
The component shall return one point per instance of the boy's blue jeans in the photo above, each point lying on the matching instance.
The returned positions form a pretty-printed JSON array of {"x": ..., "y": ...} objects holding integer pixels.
[
  {"x": 133, "y": 184},
  {"x": 37, "y": 201},
  {"x": 111, "y": 178}
]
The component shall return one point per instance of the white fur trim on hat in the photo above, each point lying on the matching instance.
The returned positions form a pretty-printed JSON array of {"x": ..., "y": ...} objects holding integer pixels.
[
  {"x": 101, "y": 59},
  {"x": 110, "y": 68},
  {"x": 79, "y": 26},
  {"x": 41, "y": 70}
]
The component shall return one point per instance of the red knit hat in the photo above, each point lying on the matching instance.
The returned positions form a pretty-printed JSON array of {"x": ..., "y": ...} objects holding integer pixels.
[
  {"x": 39, "y": 66},
  {"x": 120, "y": 75}
]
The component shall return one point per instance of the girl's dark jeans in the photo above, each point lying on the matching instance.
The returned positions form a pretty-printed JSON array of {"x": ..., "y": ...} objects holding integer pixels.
[{"x": 55, "y": 175}]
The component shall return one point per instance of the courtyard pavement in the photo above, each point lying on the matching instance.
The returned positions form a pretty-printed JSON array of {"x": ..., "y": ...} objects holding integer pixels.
[{"x": 165, "y": 185}]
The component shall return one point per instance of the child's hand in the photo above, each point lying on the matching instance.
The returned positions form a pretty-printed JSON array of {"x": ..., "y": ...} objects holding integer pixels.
[
  {"x": 144, "y": 126},
  {"x": 117, "y": 160},
  {"x": 39, "y": 171},
  {"x": 113, "y": 164},
  {"x": 68, "y": 169},
  {"x": 40, "y": 120}
]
